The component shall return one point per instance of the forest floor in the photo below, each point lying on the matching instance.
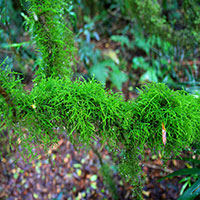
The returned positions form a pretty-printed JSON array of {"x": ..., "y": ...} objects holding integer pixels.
[{"x": 70, "y": 174}]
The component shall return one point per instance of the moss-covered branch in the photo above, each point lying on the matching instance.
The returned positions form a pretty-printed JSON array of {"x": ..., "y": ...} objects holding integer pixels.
[
  {"x": 87, "y": 112},
  {"x": 85, "y": 109},
  {"x": 54, "y": 40}
]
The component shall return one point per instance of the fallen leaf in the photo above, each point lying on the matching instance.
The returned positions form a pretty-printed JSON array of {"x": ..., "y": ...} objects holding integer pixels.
[
  {"x": 94, "y": 185},
  {"x": 35, "y": 195},
  {"x": 79, "y": 172},
  {"x": 93, "y": 177},
  {"x": 146, "y": 193}
]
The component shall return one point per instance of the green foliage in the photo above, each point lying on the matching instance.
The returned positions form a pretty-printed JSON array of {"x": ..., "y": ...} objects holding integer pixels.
[
  {"x": 96, "y": 64},
  {"x": 190, "y": 189},
  {"x": 162, "y": 32},
  {"x": 124, "y": 40},
  {"x": 148, "y": 13},
  {"x": 87, "y": 52},
  {"x": 181, "y": 24},
  {"x": 102, "y": 72},
  {"x": 12, "y": 38},
  {"x": 192, "y": 192},
  {"x": 158, "y": 60}
]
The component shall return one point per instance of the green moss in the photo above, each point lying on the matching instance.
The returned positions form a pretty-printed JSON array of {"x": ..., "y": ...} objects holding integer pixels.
[
  {"x": 54, "y": 40},
  {"x": 86, "y": 110}
]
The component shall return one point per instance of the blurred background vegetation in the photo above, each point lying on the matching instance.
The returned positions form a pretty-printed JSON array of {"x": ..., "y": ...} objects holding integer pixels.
[{"x": 122, "y": 43}]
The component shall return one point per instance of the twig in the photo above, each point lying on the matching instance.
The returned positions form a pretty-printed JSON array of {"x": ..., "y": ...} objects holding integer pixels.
[
  {"x": 5, "y": 51},
  {"x": 98, "y": 154},
  {"x": 157, "y": 167}
]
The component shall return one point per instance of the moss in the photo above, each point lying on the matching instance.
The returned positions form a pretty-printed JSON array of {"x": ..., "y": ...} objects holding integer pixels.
[
  {"x": 86, "y": 110},
  {"x": 54, "y": 40}
]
